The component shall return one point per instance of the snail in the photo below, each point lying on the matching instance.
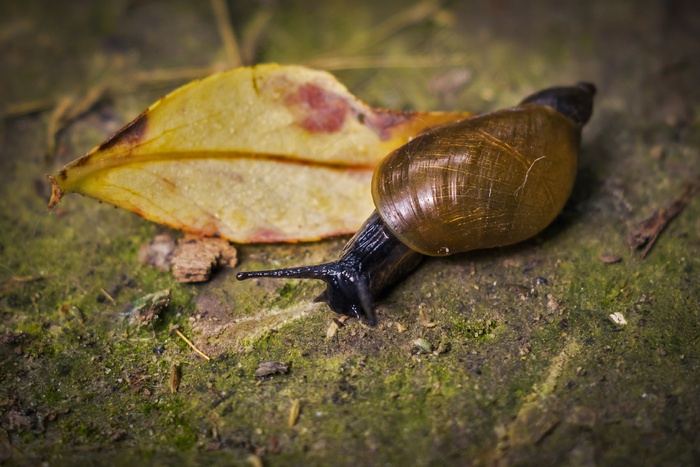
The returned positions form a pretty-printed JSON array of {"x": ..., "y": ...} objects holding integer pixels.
[{"x": 487, "y": 181}]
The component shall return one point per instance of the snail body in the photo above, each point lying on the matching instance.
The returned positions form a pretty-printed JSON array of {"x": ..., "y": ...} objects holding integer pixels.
[{"x": 487, "y": 181}]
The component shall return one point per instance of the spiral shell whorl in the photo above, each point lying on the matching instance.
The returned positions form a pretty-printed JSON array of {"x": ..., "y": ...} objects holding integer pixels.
[{"x": 483, "y": 182}]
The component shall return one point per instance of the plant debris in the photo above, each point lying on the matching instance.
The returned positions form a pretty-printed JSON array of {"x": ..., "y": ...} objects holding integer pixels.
[
  {"x": 72, "y": 312},
  {"x": 175, "y": 377},
  {"x": 294, "y": 413},
  {"x": 195, "y": 258},
  {"x": 618, "y": 318},
  {"x": 271, "y": 368},
  {"x": 13, "y": 338},
  {"x": 68, "y": 109},
  {"x": 192, "y": 346},
  {"x": 16, "y": 283},
  {"x": 443, "y": 347},
  {"x": 422, "y": 345},
  {"x": 610, "y": 259},
  {"x": 648, "y": 231},
  {"x": 424, "y": 318},
  {"x": 336, "y": 323},
  {"x": 158, "y": 253},
  {"x": 146, "y": 309}
]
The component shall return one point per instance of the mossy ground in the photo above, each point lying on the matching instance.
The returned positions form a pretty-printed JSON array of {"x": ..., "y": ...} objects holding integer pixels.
[{"x": 531, "y": 369}]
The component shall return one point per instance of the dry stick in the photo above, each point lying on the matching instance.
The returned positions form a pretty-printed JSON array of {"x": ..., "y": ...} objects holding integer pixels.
[
  {"x": 159, "y": 76},
  {"x": 13, "y": 283},
  {"x": 67, "y": 110},
  {"x": 109, "y": 297},
  {"x": 406, "y": 61},
  {"x": 648, "y": 231},
  {"x": 24, "y": 108},
  {"x": 140, "y": 77},
  {"x": 418, "y": 12},
  {"x": 294, "y": 413},
  {"x": 223, "y": 23},
  {"x": 415, "y": 14},
  {"x": 57, "y": 120},
  {"x": 202, "y": 354},
  {"x": 254, "y": 32},
  {"x": 118, "y": 86}
]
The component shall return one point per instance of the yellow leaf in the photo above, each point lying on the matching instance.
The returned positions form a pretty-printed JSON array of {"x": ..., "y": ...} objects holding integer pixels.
[{"x": 257, "y": 154}]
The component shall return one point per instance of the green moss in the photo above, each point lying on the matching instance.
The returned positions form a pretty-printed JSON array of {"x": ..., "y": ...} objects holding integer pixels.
[
  {"x": 185, "y": 438},
  {"x": 473, "y": 329}
]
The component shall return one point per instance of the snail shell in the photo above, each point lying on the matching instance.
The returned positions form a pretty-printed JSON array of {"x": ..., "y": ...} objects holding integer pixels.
[{"x": 483, "y": 182}]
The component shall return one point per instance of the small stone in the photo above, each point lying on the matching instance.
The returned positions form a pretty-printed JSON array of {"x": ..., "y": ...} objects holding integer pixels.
[
  {"x": 158, "y": 253},
  {"x": 423, "y": 345},
  {"x": 271, "y": 368},
  {"x": 618, "y": 318},
  {"x": 657, "y": 152},
  {"x": 332, "y": 329},
  {"x": 443, "y": 347},
  {"x": 610, "y": 259},
  {"x": 552, "y": 303}
]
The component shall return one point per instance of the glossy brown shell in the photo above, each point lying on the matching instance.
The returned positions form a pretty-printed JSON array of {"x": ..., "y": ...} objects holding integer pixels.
[{"x": 487, "y": 181}]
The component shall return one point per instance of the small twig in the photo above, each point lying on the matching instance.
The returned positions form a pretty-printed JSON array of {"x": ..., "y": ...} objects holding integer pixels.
[
  {"x": 418, "y": 12},
  {"x": 201, "y": 354},
  {"x": 120, "y": 85},
  {"x": 648, "y": 231},
  {"x": 254, "y": 32},
  {"x": 162, "y": 76},
  {"x": 407, "y": 61},
  {"x": 57, "y": 120},
  {"x": 380, "y": 33},
  {"x": 66, "y": 111},
  {"x": 223, "y": 23},
  {"x": 13, "y": 283},
  {"x": 24, "y": 108},
  {"x": 109, "y": 297},
  {"x": 294, "y": 413},
  {"x": 175, "y": 377}
]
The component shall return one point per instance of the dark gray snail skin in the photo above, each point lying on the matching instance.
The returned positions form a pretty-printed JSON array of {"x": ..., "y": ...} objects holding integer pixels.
[{"x": 487, "y": 181}]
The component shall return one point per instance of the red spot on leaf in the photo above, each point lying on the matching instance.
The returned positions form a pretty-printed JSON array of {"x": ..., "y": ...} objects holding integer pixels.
[
  {"x": 318, "y": 110},
  {"x": 381, "y": 121},
  {"x": 268, "y": 235}
]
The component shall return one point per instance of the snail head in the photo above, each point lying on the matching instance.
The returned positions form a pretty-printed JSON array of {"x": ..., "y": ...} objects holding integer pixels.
[{"x": 347, "y": 290}]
